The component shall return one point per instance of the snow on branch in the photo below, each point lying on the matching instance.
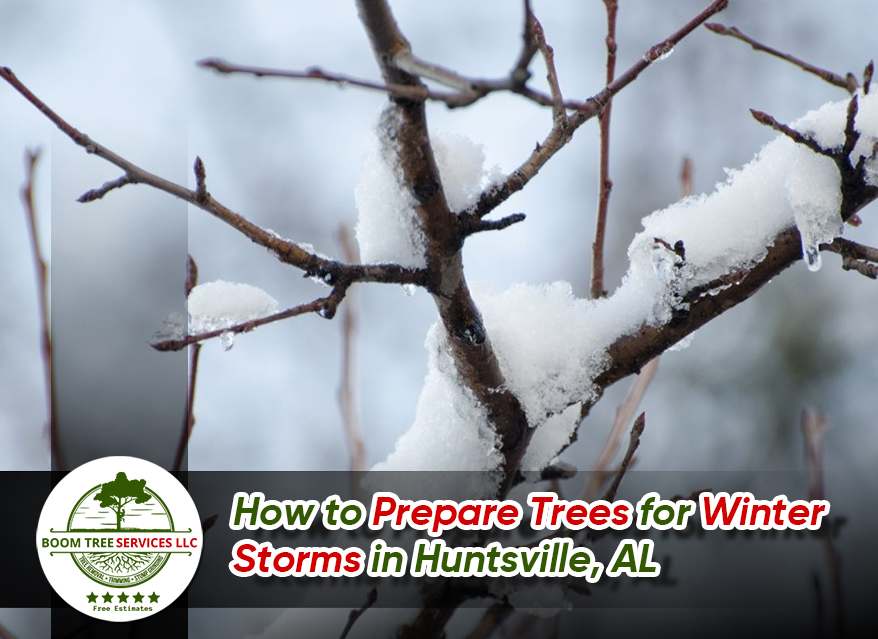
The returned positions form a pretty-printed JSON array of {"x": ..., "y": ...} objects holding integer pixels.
[{"x": 557, "y": 353}]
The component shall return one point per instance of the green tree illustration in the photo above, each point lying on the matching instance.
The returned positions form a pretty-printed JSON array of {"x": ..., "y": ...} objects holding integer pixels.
[{"x": 120, "y": 492}]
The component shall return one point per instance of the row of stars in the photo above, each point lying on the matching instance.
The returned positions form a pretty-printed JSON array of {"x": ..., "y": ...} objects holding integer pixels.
[{"x": 122, "y": 597}]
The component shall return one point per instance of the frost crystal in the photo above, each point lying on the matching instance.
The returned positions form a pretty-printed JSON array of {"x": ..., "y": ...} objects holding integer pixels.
[
  {"x": 551, "y": 346},
  {"x": 219, "y": 304}
]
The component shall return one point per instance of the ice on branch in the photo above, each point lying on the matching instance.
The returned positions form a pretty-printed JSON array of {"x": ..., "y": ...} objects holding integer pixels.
[
  {"x": 551, "y": 346},
  {"x": 388, "y": 229},
  {"x": 216, "y": 305}
]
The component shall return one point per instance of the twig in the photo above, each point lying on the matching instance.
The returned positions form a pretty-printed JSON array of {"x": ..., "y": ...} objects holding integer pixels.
[
  {"x": 795, "y": 136},
  {"x": 855, "y": 257},
  {"x": 316, "y": 73},
  {"x": 323, "y": 306},
  {"x": 520, "y": 73},
  {"x": 868, "y": 72},
  {"x": 813, "y": 426},
  {"x": 606, "y": 185},
  {"x": 624, "y": 414},
  {"x": 558, "y": 137},
  {"x": 41, "y": 268},
  {"x": 287, "y": 251},
  {"x": 346, "y": 391},
  {"x": 355, "y": 614},
  {"x": 194, "y": 355},
  {"x": 847, "y": 83},
  {"x": 559, "y": 112},
  {"x": 491, "y": 620},
  {"x": 633, "y": 443},
  {"x": 106, "y": 187},
  {"x": 469, "y": 226}
]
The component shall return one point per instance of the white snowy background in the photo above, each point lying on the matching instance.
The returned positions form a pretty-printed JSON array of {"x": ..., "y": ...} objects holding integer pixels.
[{"x": 288, "y": 154}]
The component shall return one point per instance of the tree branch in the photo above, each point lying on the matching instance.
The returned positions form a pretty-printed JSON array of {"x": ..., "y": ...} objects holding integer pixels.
[
  {"x": 323, "y": 306},
  {"x": 194, "y": 356},
  {"x": 42, "y": 273},
  {"x": 606, "y": 185},
  {"x": 287, "y": 251},
  {"x": 346, "y": 392},
  {"x": 558, "y": 137},
  {"x": 469, "y": 345},
  {"x": 848, "y": 82},
  {"x": 633, "y": 443}
]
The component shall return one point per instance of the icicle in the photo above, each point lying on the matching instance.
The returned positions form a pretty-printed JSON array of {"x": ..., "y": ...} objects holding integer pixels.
[
  {"x": 811, "y": 255},
  {"x": 228, "y": 340}
]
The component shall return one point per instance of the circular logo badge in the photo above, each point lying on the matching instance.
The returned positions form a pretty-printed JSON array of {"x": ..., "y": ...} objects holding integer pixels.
[{"x": 119, "y": 538}]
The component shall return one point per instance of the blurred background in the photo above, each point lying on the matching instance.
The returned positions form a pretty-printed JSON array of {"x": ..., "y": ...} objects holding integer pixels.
[{"x": 287, "y": 154}]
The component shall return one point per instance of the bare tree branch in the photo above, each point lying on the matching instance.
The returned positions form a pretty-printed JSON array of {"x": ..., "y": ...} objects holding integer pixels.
[
  {"x": 42, "y": 273},
  {"x": 194, "y": 356},
  {"x": 633, "y": 443},
  {"x": 624, "y": 414},
  {"x": 287, "y": 251},
  {"x": 347, "y": 389},
  {"x": 848, "y": 82},
  {"x": 316, "y": 73},
  {"x": 855, "y": 257},
  {"x": 606, "y": 185},
  {"x": 813, "y": 425},
  {"x": 559, "y": 112},
  {"x": 470, "y": 226},
  {"x": 558, "y": 137},
  {"x": 106, "y": 187}
]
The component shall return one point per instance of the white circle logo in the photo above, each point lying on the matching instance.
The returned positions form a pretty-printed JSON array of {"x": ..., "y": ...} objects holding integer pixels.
[{"x": 119, "y": 538}]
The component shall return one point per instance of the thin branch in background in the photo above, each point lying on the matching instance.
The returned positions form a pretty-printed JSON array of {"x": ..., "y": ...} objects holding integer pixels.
[
  {"x": 4, "y": 633},
  {"x": 340, "y": 79},
  {"x": 491, "y": 620},
  {"x": 347, "y": 388},
  {"x": 606, "y": 185},
  {"x": 355, "y": 614},
  {"x": 31, "y": 158},
  {"x": 847, "y": 82},
  {"x": 813, "y": 425},
  {"x": 686, "y": 177},
  {"x": 624, "y": 414},
  {"x": 194, "y": 354},
  {"x": 628, "y": 459},
  {"x": 626, "y": 410}
]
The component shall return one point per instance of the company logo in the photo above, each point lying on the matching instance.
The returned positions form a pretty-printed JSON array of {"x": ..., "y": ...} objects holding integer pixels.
[{"x": 119, "y": 538}]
